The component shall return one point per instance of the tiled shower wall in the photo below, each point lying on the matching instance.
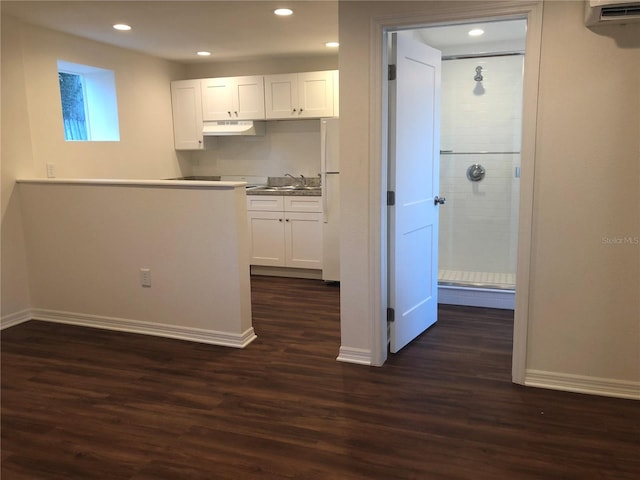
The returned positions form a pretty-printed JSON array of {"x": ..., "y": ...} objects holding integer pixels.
[{"x": 478, "y": 224}]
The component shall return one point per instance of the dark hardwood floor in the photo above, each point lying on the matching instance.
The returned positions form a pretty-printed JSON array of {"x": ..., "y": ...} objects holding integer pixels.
[{"x": 80, "y": 403}]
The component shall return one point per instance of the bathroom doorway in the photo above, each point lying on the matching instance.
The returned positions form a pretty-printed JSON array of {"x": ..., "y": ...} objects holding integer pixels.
[
  {"x": 480, "y": 153},
  {"x": 530, "y": 14},
  {"x": 449, "y": 14}
]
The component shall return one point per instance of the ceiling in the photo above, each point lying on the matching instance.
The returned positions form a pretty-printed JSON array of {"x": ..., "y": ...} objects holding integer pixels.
[
  {"x": 175, "y": 30},
  {"x": 234, "y": 30},
  {"x": 499, "y": 37}
]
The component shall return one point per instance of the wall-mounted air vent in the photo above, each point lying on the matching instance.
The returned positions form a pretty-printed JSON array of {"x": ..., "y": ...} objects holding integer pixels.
[
  {"x": 620, "y": 12},
  {"x": 611, "y": 12}
]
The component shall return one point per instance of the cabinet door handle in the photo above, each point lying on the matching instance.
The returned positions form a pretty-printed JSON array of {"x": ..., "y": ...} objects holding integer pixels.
[
  {"x": 280, "y": 220},
  {"x": 287, "y": 219}
]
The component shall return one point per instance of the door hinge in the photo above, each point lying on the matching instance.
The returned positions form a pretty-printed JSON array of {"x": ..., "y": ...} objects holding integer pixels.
[
  {"x": 391, "y": 198},
  {"x": 392, "y": 72},
  {"x": 391, "y": 315}
]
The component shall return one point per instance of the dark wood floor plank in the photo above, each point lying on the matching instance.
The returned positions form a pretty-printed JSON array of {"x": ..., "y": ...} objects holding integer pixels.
[{"x": 80, "y": 403}]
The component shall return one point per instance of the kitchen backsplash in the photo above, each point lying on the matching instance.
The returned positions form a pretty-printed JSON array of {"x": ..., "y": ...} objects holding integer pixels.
[{"x": 288, "y": 146}]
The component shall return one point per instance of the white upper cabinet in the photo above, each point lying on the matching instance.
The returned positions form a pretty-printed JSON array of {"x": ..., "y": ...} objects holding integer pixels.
[
  {"x": 187, "y": 114},
  {"x": 256, "y": 97},
  {"x": 281, "y": 95},
  {"x": 233, "y": 98},
  {"x": 299, "y": 95}
]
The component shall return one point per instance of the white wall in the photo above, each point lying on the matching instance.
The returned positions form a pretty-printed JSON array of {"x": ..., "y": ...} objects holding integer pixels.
[
  {"x": 584, "y": 314},
  {"x": 17, "y": 160},
  {"x": 479, "y": 224},
  {"x": 86, "y": 244},
  {"x": 145, "y": 149},
  {"x": 357, "y": 274},
  {"x": 261, "y": 67},
  {"x": 33, "y": 135}
]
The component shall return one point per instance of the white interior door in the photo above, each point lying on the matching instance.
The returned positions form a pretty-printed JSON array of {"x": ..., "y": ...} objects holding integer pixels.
[{"x": 414, "y": 149}]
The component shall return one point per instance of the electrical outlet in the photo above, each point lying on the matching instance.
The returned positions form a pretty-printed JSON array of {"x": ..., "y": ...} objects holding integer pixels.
[
  {"x": 145, "y": 277},
  {"x": 51, "y": 170}
]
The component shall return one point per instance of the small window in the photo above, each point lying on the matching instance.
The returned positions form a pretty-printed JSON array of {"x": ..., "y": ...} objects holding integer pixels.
[{"x": 89, "y": 103}]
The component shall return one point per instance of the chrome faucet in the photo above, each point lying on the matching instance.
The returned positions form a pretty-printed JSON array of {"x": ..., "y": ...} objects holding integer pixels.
[{"x": 302, "y": 181}]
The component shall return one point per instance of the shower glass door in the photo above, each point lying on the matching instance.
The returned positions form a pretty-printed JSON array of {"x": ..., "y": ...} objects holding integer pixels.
[{"x": 479, "y": 170}]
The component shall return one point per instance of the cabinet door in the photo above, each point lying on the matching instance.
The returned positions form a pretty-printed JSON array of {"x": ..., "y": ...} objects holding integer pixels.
[
  {"x": 186, "y": 103},
  {"x": 217, "y": 98},
  {"x": 303, "y": 203},
  {"x": 281, "y": 95},
  {"x": 266, "y": 235},
  {"x": 248, "y": 98},
  {"x": 315, "y": 94},
  {"x": 265, "y": 203},
  {"x": 303, "y": 240}
]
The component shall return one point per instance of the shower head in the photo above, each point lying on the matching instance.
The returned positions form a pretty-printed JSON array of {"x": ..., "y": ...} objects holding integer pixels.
[{"x": 478, "y": 77}]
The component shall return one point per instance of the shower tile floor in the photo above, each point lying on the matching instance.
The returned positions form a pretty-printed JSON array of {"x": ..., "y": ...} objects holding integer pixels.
[{"x": 502, "y": 281}]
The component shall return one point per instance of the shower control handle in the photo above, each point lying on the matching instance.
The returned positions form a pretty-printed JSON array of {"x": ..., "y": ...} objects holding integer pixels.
[{"x": 439, "y": 200}]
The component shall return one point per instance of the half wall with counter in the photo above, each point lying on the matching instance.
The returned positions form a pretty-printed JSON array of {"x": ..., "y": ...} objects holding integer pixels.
[{"x": 162, "y": 257}]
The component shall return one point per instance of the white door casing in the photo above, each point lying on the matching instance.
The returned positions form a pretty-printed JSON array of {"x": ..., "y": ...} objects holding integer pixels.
[
  {"x": 414, "y": 145},
  {"x": 450, "y": 13}
]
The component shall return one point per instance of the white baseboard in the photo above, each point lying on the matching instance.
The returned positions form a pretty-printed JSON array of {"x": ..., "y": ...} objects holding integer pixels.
[
  {"x": 15, "y": 319},
  {"x": 355, "y": 355},
  {"x": 212, "y": 337},
  {"x": 580, "y": 384},
  {"x": 476, "y": 297}
]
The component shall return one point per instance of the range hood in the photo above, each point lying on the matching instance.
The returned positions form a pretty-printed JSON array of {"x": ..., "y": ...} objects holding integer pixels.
[{"x": 225, "y": 128}]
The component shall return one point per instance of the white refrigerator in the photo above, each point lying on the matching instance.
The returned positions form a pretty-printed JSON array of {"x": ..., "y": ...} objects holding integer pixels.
[{"x": 330, "y": 177}]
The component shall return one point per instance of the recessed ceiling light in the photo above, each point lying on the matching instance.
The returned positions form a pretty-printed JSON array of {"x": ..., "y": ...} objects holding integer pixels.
[
  {"x": 332, "y": 44},
  {"x": 283, "y": 12},
  {"x": 203, "y": 53},
  {"x": 476, "y": 32},
  {"x": 122, "y": 27}
]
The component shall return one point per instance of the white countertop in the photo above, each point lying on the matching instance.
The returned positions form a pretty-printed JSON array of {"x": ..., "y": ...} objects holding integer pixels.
[{"x": 222, "y": 185}]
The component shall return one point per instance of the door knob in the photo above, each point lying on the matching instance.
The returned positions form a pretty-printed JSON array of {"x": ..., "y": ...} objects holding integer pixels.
[{"x": 439, "y": 200}]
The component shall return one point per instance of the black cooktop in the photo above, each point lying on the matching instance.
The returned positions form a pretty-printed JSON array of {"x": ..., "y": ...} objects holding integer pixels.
[{"x": 208, "y": 178}]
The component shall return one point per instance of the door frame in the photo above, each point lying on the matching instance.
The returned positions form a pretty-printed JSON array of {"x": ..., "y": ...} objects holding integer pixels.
[{"x": 378, "y": 131}]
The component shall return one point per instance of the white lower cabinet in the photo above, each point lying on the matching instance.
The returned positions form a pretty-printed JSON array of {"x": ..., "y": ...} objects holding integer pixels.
[
  {"x": 285, "y": 231},
  {"x": 266, "y": 231}
]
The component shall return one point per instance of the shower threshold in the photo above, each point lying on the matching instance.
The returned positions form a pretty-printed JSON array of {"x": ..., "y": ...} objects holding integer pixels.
[
  {"x": 477, "y": 289},
  {"x": 484, "y": 286},
  {"x": 465, "y": 278}
]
